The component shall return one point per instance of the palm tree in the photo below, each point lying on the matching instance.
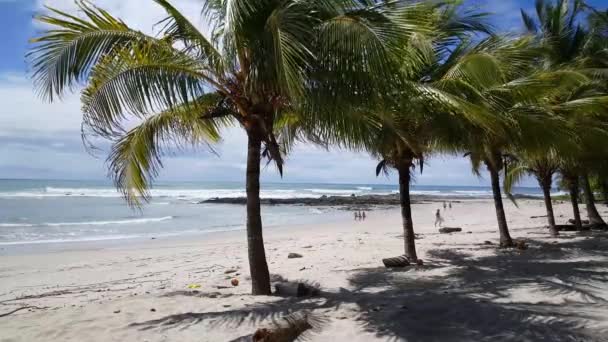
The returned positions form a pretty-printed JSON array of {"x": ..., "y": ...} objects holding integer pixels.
[
  {"x": 571, "y": 180},
  {"x": 417, "y": 118},
  {"x": 405, "y": 139},
  {"x": 266, "y": 59},
  {"x": 543, "y": 166},
  {"x": 431, "y": 120},
  {"x": 573, "y": 48},
  {"x": 495, "y": 75}
]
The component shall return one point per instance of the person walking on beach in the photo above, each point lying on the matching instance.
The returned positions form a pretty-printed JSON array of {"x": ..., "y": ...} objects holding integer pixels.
[
  {"x": 363, "y": 216},
  {"x": 444, "y": 205},
  {"x": 356, "y": 216},
  {"x": 450, "y": 205},
  {"x": 438, "y": 218}
]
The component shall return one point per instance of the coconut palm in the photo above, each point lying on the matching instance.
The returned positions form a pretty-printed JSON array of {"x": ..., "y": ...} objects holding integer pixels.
[
  {"x": 417, "y": 117},
  {"x": 543, "y": 166},
  {"x": 265, "y": 60},
  {"x": 578, "y": 106},
  {"x": 429, "y": 120},
  {"x": 571, "y": 49},
  {"x": 495, "y": 75}
]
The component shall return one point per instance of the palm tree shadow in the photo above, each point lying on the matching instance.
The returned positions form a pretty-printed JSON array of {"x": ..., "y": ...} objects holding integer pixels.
[
  {"x": 470, "y": 301},
  {"x": 473, "y": 300}
]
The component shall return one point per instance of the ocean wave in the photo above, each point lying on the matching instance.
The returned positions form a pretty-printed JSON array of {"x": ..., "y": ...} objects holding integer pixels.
[
  {"x": 168, "y": 195},
  {"x": 185, "y": 194},
  {"x": 89, "y": 223},
  {"x": 338, "y": 192}
]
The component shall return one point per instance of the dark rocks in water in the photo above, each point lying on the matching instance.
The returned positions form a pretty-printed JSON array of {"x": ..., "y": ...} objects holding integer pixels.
[
  {"x": 447, "y": 230},
  {"x": 294, "y": 255},
  {"x": 353, "y": 201},
  {"x": 572, "y": 221}
]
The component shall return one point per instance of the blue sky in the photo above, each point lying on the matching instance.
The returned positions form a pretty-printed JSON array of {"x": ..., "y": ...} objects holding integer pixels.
[{"x": 41, "y": 140}]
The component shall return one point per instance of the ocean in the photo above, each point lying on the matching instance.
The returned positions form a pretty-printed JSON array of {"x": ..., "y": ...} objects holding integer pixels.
[{"x": 60, "y": 211}]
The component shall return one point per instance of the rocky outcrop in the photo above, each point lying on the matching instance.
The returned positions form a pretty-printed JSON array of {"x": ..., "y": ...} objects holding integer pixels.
[{"x": 354, "y": 202}]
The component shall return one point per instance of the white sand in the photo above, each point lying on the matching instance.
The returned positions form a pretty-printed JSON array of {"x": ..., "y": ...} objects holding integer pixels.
[{"x": 466, "y": 291}]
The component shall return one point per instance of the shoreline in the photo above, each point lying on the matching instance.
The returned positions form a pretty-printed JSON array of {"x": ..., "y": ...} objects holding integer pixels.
[{"x": 372, "y": 203}]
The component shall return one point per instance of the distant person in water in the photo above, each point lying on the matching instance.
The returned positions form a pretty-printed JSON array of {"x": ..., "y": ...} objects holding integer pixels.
[{"x": 438, "y": 218}]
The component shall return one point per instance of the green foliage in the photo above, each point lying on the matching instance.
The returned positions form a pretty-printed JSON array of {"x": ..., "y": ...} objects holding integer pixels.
[
  {"x": 279, "y": 69},
  {"x": 399, "y": 79}
]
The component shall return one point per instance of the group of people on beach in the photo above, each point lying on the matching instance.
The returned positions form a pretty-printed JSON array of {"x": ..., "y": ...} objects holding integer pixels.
[{"x": 360, "y": 215}]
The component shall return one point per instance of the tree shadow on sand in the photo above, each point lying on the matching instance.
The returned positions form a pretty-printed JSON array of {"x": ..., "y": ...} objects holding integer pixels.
[{"x": 474, "y": 299}]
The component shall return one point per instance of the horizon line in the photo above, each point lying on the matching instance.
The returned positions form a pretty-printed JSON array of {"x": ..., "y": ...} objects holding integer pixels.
[{"x": 233, "y": 181}]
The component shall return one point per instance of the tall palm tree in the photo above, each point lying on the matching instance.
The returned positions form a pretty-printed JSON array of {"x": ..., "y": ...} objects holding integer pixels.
[
  {"x": 543, "y": 166},
  {"x": 266, "y": 59},
  {"x": 495, "y": 75},
  {"x": 429, "y": 120},
  {"x": 417, "y": 117},
  {"x": 571, "y": 45},
  {"x": 570, "y": 179}
]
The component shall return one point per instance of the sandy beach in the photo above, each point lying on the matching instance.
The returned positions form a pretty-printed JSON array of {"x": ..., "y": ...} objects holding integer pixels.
[{"x": 467, "y": 290}]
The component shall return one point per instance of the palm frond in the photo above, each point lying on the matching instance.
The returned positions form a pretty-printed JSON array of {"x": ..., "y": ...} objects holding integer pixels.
[
  {"x": 178, "y": 28},
  {"x": 140, "y": 81},
  {"x": 65, "y": 54},
  {"x": 136, "y": 157}
]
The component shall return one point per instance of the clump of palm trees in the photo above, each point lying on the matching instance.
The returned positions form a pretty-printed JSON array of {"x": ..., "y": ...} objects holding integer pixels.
[{"x": 399, "y": 79}]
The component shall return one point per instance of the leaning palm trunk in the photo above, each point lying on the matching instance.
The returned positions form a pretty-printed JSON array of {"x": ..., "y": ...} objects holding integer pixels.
[
  {"x": 592, "y": 213},
  {"x": 574, "y": 191},
  {"x": 545, "y": 184},
  {"x": 503, "y": 228},
  {"x": 406, "y": 210},
  {"x": 605, "y": 191},
  {"x": 260, "y": 277}
]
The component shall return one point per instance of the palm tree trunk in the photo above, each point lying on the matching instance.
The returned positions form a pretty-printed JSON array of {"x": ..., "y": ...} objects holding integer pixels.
[
  {"x": 573, "y": 187},
  {"x": 503, "y": 228},
  {"x": 592, "y": 213},
  {"x": 605, "y": 191},
  {"x": 406, "y": 211},
  {"x": 260, "y": 277},
  {"x": 545, "y": 183}
]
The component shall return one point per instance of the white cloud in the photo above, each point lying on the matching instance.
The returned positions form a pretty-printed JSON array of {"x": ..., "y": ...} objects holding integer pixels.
[
  {"x": 138, "y": 14},
  {"x": 22, "y": 110}
]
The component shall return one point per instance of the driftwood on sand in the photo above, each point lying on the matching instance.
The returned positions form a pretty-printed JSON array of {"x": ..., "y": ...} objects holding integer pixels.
[
  {"x": 400, "y": 261},
  {"x": 296, "y": 289},
  {"x": 291, "y": 328},
  {"x": 447, "y": 230},
  {"x": 572, "y": 227}
]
